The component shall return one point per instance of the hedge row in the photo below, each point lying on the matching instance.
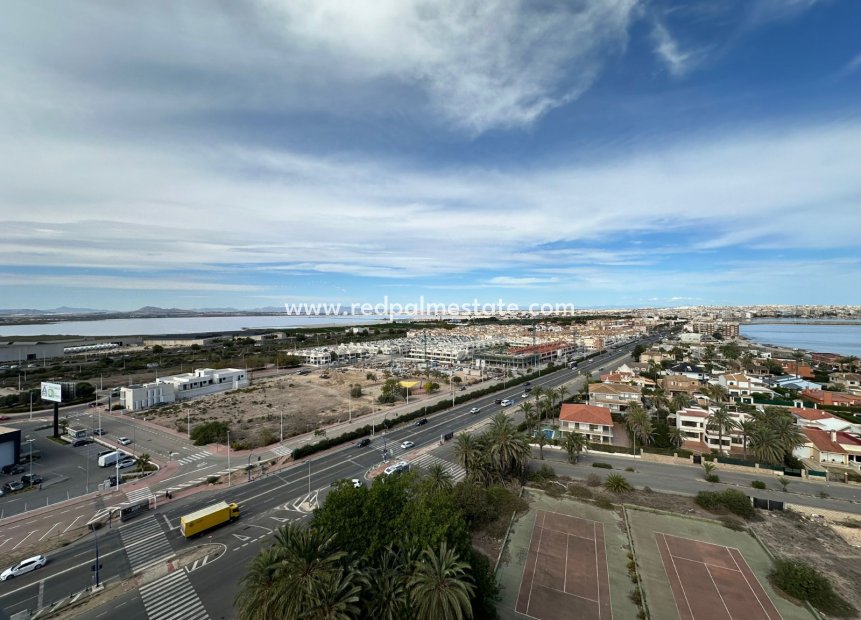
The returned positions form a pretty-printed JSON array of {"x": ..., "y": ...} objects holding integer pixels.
[
  {"x": 442, "y": 405},
  {"x": 734, "y": 501}
]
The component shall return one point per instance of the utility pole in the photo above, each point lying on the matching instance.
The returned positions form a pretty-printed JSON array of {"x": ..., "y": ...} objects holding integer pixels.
[
  {"x": 282, "y": 425},
  {"x": 96, "y": 566},
  {"x": 228, "y": 459}
]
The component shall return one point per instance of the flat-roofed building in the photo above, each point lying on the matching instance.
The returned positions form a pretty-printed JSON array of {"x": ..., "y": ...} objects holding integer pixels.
[{"x": 166, "y": 390}]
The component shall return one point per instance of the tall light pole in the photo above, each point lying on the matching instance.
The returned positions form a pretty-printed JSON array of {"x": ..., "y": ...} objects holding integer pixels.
[
  {"x": 228, "y": 459},
  {"x": 309, "y": 477},
  {"x": 30, "y": 441},
  {"x": 96, "y": 566},
  {"x": 188, "y": 422},
  {"x": 282, "y": 425}
]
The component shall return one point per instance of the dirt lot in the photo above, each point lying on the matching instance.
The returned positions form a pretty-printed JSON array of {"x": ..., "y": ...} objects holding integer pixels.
[{"x": 308, "y": 402}]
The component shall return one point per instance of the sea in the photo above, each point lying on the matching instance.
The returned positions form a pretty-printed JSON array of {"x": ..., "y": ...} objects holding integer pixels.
[
  {"x": 820, "y": 337},
  {"x": 179, "y": 325}
]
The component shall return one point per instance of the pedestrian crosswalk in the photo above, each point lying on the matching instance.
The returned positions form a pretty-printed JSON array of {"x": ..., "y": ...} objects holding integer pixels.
[
  {"x": 139, "y": 494},
  {"x": 145, "y": 543},
  {"x": 192, "y": 457},
  {"x": 424, "y": 461},
  {"x": 282, "y": 450},
  {"x": 172, "y": 598}
]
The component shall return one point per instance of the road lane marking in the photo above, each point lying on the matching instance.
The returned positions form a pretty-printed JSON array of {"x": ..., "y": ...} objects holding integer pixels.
[
  {"x": 67, "y": 570},
  {"x": 41, "y": 599},
  {"x": 23, "y": 539},
  {"x": 72, "y": 523},
  {"x": 49, "y": 531}
]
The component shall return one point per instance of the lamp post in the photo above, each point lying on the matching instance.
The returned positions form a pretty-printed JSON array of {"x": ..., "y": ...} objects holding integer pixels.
[
  {"x": 30, "y": 441},
  {"x": 96, "y": 566},
  {"x": 282, "y": 425},
  {"x": 188, "y": 423},
  {"x": 309, "y": 477},
  {"x": 248, "y": 467},
  {"x": 228, "y": 459}
]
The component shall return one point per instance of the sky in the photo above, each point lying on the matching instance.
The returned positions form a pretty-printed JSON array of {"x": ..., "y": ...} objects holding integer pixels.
[{"x": 621, "y": 153}]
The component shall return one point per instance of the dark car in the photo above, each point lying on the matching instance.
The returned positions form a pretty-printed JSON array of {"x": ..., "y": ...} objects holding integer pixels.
[
  {"x": 13, "y": 469},
  {"x": 31, "y": 479},
  {"x": 421, "y": 422},
  {"x": 528, "y": 383},
  {"x": 10, "y": 487},
  {"x": 364, "y": 442},
  {"x": 83, "y": 441},
  {"x": 99, "y": 431},
  {"x": 498, "y": 401}
]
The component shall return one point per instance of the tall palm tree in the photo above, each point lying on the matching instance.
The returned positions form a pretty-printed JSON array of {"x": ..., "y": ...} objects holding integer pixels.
[
  {"x": 674, "y": 434},
  {"x": 528, "y": 411},
  {"x": 562, "y": 393},
  {"x": 538, "y": 392},
  {"x": 745, "y": 427},
  {"x": 441, "y": 588},
  {"x": 467, "y": 452},
  {"x": 722, "y": 422},
  {"x": 660, "y": 399},
  {"x": 439, "y": 478},
  {"x": 337, "y": 596},
  {"x": 507, "y": 449},
  {"x": 541, "y": 440},
  {"x": 765, "y": 444},
  {"x": 287, "y": 579},
  {"x": 680, "y": 400},
  {"x": 574, "y": 444},
  {"x": 787, "y": 431},
  {"x": 639, "y": 423}
]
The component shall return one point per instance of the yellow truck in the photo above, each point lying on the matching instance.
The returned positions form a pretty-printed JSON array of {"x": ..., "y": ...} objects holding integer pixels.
[{"x": 207, "y": 518}]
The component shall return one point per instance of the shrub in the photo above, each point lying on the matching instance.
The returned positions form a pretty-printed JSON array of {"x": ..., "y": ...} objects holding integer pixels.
[
  {"x": 629, "y": 468},
  {"x": 758, "y": 484},
  {"x": 734, "y": 501},
  {"x": 603, "y": 503},
  {"x": 647, "y": 489},
  {"x": 210, "y": 432},
  {"x": 581, "y": 492},
  {"x": 212, "y": 479},
  {"x": 616, "y": 483},
  {"x": 804, "y": 582},
  {"x": 593, "y": 480},
  {"x": 712, "y": 478},
  {"x": 602, "y": 465}
]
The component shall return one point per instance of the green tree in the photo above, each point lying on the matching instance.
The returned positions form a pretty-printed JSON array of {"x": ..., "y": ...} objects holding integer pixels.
[
  {"x": 637, "y": 352},
  {"x": 528, "y": 411},
  {"x": 441, "y": 586},
  {"x": 616, "y": 483},
  {"x": 721, "y": 421},
  {"x": 507, "y": 449},
  {"x": 679, "y": 401},
  {"x": 439, "y": 478},
  {"x": 541, "y": 440},
  {"x": 765, "y": 444},
  {"x": 371, "y": 376},
  {"x": 574, "y": 444},
  {"x": 355, "y": 391},
  {"x": 143, "y": 461},
  {"x": 639, "y": 424},
  {"x": 675, "y": 437},
  {"x": 336, "y": 596},
  {"x": 746, "y": 427},
  {"x": 158, "y": 349},
  {"x": 387, "y": 596},
  {"x": 431, "y": 387},
  {"x": 467, "y": 452},
  {"x": 731, "y": 350}
]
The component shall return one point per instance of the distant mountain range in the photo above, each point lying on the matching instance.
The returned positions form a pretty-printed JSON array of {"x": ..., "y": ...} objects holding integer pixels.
[{"x": 145, "y": 311}]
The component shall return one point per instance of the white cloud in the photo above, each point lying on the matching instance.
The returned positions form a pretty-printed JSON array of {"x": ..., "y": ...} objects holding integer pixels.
[
  {"x": 667, "y": 49},
  {"x": 520, "y": 282}
]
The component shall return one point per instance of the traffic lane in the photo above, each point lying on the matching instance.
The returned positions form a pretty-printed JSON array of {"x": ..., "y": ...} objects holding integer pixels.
[
  {"x": 687, "y": 480},
  {"x": 127, "y": 605},
  {"x": 67, "y": 572}
]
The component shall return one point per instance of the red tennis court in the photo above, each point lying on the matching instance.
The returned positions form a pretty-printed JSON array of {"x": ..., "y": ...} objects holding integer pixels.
[
  {"x": 712, "y": 582},
  {"x": 566, "y": 575}
]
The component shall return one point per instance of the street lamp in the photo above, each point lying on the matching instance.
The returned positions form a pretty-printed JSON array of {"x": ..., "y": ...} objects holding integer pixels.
[
  {"x": 188, "y": 422},
  {"x": 309, "y": 478},
  {"x": 30, "y": 441},
  {"x": 228, "y": 459},
  {"x": 96, "y": 566},
  {"x": 282, "y": 425}
]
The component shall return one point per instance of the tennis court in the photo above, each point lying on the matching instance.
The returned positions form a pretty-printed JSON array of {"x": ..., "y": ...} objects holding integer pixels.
[
  {"x": 565, "y": 575},
  {"x": 712, "y": 582}
]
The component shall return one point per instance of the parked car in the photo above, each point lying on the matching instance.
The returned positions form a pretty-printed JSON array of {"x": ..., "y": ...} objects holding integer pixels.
[
  {"x": 124, "y": 441},
  {"x": 83, "y": 441},
  {"x": 11, "y": 487},
  {"x": 23, "y": 567},
  {"x": 407, "y": 444},
  {"x": 99, "y": 431},
  {"x": 31, "y": 479},
  {"x": 421, "y": 422},
  {"x": 364, "y": 442},
  {"x": 126, "y": 462},
  {"x": 475, "y": 410},
  {"x": 13, "y": 469}
]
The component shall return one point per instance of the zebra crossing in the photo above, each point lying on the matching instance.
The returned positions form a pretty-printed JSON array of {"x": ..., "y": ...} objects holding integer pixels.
[
  {"x": 172, "y": 597},
  {"x": 424, "y": 461},
  {"x": 145, "y": 543},
  {"x": 139, "y": 494},
  {"x": 192, "y": 457},
  {"x": 282, "y": 450}
]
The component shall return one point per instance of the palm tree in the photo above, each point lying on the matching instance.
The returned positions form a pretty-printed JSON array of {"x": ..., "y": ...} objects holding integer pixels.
[
  {"x": 441, "y": 588},
  {"x": 708, "y": 468},
  {"x": 468, "y": 453},
  {"x": 574, "y": 444},
  {"x": 438, "y": 478},
  {"x": 639, "y": 424},
  {"x": 765, "y": 444},
  {"x": 659, "y": 399},
  {"x": 337, "y": 596},
  {"x": 143, "y": 461},
  {"x": 745, "y": 427},
  {"x": 680, "y": 400},
  {"x": 287, "y": 580},
  {"x": 787, "y": 431},
  {"x": 507, "y": 449},
  {"x": 722, "y": 422},
  {"x": 715, "y": 392},
  {"x": 562, "y": 393},
  {"x": 541, "y": 440},
  {"x": 538, "y": 392},
  {"x": 387, "y": 588},
  {"x": 674, "y": 435},
  {"x": 528, "y": 411}
]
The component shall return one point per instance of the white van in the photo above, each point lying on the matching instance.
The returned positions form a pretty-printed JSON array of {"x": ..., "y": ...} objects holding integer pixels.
[{"x": 106, "y": 460}]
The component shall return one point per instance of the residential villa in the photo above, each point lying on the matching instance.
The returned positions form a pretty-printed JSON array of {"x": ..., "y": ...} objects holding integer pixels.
[
  {"x": 837, "y": 399},
  {"x": 614, "y": 396},
  {"x": 741, "y": 387},
  {"x": 595, "y": 423},
  {"x": 850, "y": 381},
  {"x": 685, "y": 369},
  {"x": 822, "y": 447},
  {"x": 673, "y": 384},
  {"x": 693, "y": 423}
]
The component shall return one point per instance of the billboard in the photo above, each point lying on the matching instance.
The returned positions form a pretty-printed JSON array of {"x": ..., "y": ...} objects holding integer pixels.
[{"x": 52, "y": 392}]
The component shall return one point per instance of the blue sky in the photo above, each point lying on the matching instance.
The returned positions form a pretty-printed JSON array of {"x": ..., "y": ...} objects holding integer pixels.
[{"x": 594, "y": 152}]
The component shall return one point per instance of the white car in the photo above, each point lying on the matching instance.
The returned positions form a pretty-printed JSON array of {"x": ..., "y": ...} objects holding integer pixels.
[
  {"x": 124, "y": 441},
  {"x": 23, "y": 567},
  {"x": 524, "y": 395},
  {"x": 475, "y": 410},
  {"x": 507, "y": 402},
  {"x": 124, "y": 463},
  {"x": 407, "y": 444},
  {"x": 356, "y": 483}
]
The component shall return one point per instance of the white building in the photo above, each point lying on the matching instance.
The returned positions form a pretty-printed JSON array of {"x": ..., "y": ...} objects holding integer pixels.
[{"x": 165, "y": 390}]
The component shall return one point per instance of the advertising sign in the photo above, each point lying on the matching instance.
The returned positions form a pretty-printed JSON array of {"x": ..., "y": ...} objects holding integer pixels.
[{"x": 52, "y": 392}]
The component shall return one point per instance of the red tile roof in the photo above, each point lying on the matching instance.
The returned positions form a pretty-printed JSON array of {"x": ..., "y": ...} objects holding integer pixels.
[
  {"x": 822, "y": 441},
  {"x": 588, "y": 414},
  {"x": 844, "y": 438},
  {"x": 809, "y": 414}
]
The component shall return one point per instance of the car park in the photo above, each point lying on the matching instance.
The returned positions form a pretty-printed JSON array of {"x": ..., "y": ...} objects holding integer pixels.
[
  {"x": 407, "y": 444},
  {"x": 475, "y": 410},
  {"x": 11, "y": 487},
  {"x": 23, "y": 567},
  {"x": 124, "y": 441},
  {"x": 421, "y": 422},
  {"x": 364, "y": 442}
]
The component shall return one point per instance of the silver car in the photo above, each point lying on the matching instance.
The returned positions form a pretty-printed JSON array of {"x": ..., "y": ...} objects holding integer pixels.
[{"x": 23, "y": 567}]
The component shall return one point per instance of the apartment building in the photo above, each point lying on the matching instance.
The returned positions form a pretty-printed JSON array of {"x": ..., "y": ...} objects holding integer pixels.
[
  {"x": 595, "y": 423},
  {"x": 616, "y": 397},
  {"x": 725, "y": 328},
  {"x": 166, "y": 390},
  {"x": 693, "y": 422}
]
